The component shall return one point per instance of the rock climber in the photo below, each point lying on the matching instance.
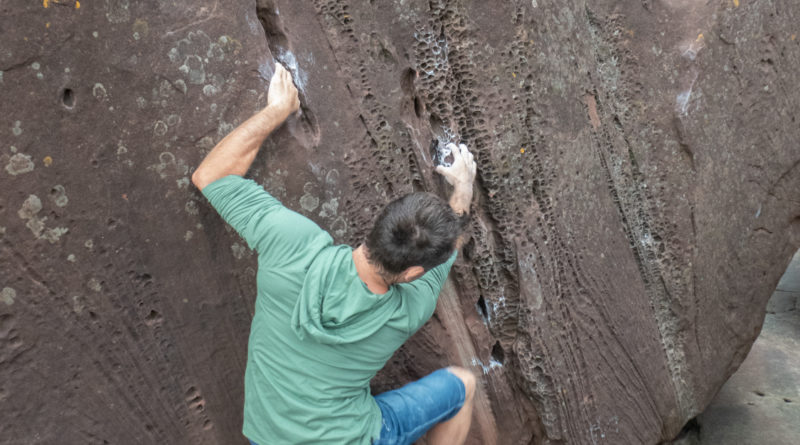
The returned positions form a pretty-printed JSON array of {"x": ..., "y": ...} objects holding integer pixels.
[{"x": 328, "y": 317}]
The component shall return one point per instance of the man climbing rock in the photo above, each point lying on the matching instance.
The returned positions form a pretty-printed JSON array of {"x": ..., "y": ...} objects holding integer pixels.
[{"x": 327, "y": 316}]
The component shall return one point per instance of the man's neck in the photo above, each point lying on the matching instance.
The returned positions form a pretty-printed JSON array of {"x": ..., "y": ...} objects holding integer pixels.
[{"x": 368, "y": 273}]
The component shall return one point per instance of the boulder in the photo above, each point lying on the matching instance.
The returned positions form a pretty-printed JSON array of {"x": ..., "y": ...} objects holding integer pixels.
[{"x": 636, "y": 202}]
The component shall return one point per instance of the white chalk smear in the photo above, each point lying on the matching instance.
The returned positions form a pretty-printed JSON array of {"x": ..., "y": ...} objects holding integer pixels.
[
  {"x": 300, "y": 77},
  {"x": 493, "y": 364},
  {"x": 442, "y": 152},
  {"x": 445, "y": 148},
  {"x": 682, "y": 99},
  {"x": 265, "y": 71},
  {"x": 693, "y": 48}
]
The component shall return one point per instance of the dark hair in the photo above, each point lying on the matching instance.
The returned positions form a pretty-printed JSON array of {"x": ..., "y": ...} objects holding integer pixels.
[{"x": 419, "y": 229}]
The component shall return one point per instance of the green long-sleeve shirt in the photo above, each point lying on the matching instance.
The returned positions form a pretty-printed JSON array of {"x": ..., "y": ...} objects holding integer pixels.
[{"x": 318, "y": 335}]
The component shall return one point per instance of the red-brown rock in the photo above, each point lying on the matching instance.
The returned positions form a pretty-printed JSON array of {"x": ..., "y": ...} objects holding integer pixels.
[{"x": 637, "y": 201}]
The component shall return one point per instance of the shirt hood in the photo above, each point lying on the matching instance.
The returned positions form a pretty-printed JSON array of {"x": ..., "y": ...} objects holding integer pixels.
[{"x": 334, "y": 305}]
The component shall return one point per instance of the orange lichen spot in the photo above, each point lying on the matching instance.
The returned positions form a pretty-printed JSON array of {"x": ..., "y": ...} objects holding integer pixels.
[
  {"x": 47, "y": 25},
  {"x": 125, "y": 196},
  {"x": 77, "y": 5},
  {"x": 700, "y": 37},
  {"x": 631, "y": 32},
  {"x": 48, "y": 161},
  {"x": 514, "y": 75},
  {"x": 736, "y": 3},
  {"x": 794, "y": 36},
  {"x": 46, "y": 3},
  {"x": 522, "y": 150}
]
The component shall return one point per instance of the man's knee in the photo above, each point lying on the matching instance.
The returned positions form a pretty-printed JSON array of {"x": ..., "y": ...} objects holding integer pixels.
[{"x": 467, "y": 377}]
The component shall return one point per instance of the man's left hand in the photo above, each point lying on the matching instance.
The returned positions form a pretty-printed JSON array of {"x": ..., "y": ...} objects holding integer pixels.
[{"x": 282, "y": 94}]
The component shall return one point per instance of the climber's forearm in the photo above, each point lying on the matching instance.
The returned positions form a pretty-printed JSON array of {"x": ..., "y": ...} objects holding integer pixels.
[
  {"x": 234, "y": 154},
  {"x": 461, "y": 199},
  {"x": 460, "y": 202}
]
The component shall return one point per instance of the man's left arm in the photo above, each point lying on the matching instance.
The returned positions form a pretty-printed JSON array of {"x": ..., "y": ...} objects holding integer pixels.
[
  {"x": 266, "y": 225},
  {"x": 234, "y": 154}
]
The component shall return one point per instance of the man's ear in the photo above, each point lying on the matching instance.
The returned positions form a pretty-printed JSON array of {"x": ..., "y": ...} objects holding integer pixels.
[{"x": 412, "y": 273}]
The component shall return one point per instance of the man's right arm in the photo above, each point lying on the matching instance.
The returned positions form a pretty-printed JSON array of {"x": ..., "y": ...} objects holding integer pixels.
[{"x": 461, "y": 175}]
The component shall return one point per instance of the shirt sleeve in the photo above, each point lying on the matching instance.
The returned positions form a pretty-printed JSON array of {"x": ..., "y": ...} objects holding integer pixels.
[
  {"x": 277, "y": 233},
  {"x": 426, "y": 290}
]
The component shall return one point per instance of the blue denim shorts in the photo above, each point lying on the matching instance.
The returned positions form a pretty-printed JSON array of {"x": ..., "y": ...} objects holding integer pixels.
[{"x": 412, "y": 410}]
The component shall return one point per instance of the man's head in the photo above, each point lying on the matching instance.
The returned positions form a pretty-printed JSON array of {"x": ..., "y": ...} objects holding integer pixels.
[{"x": 412, "y": 235}]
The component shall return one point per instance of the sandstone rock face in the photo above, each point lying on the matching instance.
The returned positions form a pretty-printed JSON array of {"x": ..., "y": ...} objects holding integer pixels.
[{"x": 637, "y": 200}]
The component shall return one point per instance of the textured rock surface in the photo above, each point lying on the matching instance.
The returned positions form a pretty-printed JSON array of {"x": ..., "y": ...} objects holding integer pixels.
[{"x": 637, "y": 202}]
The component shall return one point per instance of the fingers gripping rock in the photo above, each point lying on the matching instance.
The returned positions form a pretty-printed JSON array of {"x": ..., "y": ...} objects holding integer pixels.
[{"x": 462, "y": 168}]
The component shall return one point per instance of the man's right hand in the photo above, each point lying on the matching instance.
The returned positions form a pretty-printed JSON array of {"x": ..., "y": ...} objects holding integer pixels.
[
  {"x": 462, "y": 171},
  {"x": 282, "y": 94},
  {"x": 461, "y": 175}
]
